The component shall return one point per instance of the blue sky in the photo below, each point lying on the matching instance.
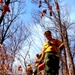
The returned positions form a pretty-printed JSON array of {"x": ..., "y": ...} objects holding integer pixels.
[
  {"x": 30, "y": 7},
  {"x": 71, "y": 4}
]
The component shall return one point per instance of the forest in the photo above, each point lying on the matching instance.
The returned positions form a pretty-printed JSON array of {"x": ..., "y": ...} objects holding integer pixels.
[{"x": 22, "y": 27}]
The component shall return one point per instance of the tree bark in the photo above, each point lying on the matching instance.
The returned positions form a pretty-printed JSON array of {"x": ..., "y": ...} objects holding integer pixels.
[{"x": 67, "y": 48}]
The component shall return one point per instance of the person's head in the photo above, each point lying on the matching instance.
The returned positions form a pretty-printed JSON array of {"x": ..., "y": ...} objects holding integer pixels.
[
  {"x": 48, "y": 34},
  {"x": 28, "y": 65},
  {"x": 38, "y": 56}
]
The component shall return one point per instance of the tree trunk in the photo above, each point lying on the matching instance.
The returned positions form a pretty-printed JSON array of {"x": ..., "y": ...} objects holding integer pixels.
[
  {"x": 64, "y": 37},
  {"x": 68, "y": 53},
  {"x": 69, "y": 57}
]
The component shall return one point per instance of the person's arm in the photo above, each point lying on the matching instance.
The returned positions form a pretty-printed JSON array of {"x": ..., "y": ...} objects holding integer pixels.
[{"x": 60, "y": 45}]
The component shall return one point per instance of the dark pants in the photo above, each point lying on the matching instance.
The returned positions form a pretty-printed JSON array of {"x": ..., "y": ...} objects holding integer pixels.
[
  {"x": 51, "y": 62},
  {"x": 36, "y": 71},
  {"x": 29, "y": 72},
  {"x": 36, "y": 68}
]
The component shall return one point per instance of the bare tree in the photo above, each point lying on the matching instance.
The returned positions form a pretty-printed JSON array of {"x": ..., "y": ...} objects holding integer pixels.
[
  {"x": 12, "y": 31},
  {"x": 61, "y": 26}
]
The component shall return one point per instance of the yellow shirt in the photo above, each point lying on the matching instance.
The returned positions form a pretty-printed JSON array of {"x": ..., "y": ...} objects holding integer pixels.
[
  {"x": 51, "y": 48},
  {"x": 36, "y": 64}
]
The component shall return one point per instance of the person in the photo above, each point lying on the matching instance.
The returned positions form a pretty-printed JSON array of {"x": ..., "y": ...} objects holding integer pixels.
[
  {"x": 50, "y": 54},
  {"x": 37, "y": 63},
  {"x": 29, "y": 70}
]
